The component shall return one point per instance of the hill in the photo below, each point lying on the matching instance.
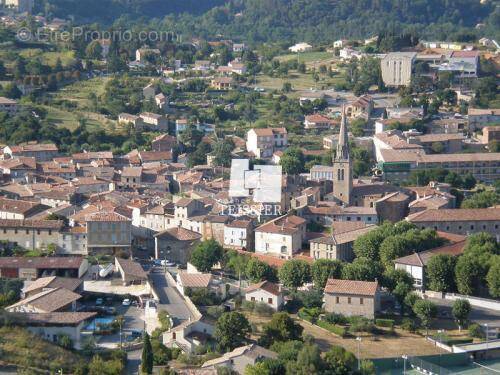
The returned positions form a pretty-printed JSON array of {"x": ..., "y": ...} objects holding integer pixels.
[{"x": 294, "y": 20}]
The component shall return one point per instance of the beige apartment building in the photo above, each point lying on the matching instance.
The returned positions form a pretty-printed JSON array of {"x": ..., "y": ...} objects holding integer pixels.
[
  {"x": 108, "y": 232},
  {"x": 397, "y": 68},
  {"x": 281, "y": 237}
]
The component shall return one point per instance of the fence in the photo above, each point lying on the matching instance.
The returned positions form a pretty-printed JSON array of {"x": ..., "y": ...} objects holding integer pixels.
[{"x": 474, "y": 301}]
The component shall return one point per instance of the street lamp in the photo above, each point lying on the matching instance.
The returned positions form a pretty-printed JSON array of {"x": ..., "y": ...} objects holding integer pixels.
[
  {"x": 405, "y": 357},
  {"x": 358, "y": 339},
  {"x": 487, "y": 335}
]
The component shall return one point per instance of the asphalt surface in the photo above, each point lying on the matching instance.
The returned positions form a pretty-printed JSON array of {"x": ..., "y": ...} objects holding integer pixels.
[
  {"x": 170, "y": 298},
  {"x": 478, "y": 314}
]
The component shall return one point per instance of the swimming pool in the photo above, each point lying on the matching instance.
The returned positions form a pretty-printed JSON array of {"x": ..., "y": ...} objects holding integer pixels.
[{"x": 99, "y": 322}]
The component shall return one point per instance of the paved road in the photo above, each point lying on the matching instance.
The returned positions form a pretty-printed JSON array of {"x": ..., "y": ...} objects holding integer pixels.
[
  {"x": 478, "y": 314},
  {"x": 133, "y": 362},
  {"x": 170, "y": 299}
]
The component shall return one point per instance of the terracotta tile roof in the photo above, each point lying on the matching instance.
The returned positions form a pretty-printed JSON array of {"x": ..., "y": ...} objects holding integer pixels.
[
  {"x": 268, "y": 259},
  {"x": 179, "y": 234},
  {"x": 352, "y": 287},
  {"x": 195, "y": 280},
  {"x": 283, "y": 225},
  {"x": 344, "y": 237},
  {"x": 93, "y": 155},
  {"x": 264, "y": 285},
  {"x": 452, "y": 237},
  {"x": 19, "y": 163},
  {"x": 461, "y": 214},
  {"x": 17, "y": 206},
  {"x": 42, "y": 262},
  {"x": 269, "y": 131},
  {"x": 106, "y": 216},
  {"x": 31, "y": 224},
  {"x": 317, "y": 118},
  {"x": 439, "y": 137},
  {"x": 55, "y": 318},
  {"x": 184, "y": 202},
  {"x": 34, "y": 147},
  {"x": 149, "y": 156},
  {"x": 49, "y": 300},
  {"x": 54, "y": 282},
  {"x": 239, "y": 224},
  {"x": 422, "y": 258},
  {"x": 132, "y": 268}
]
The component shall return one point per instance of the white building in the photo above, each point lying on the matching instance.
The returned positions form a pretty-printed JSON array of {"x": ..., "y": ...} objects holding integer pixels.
[
  {"x": 281, "y": 237},
  {"x": 267, "y": 293},
  {"x": 263, "y": 142},
  {"x": 300, "y": 47},
  {"x": 397, "y": 68}
]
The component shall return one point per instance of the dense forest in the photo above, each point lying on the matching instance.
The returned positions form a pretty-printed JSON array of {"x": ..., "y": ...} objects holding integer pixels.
[{"x": 257, "y": 21}]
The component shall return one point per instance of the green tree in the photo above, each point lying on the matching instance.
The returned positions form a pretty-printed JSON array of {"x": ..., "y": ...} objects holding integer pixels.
[
  {"x": 206, "y": 254},
  {"x": 308, "y": 361},
  {"x": 231, "y": 330},
  {"x": 295, "y": 273},
  {"x": 461, "y": 310},
  {"x": 94, "y": 50},
  {"x": 426, "y": 311},
  {"x": 493, "y": 277},
  {"x": 483, "y": 199},
  {"x": 469, "y": 274},
  {"x": 281, "y": 327},
  {"x": 392, "y": 248},
  {"x": 323, "y": 269},
  {"x": 440, "y": 272},
  {"x": 363, "y": 269},
  {"x": 340, "y": 361},
  {"x": 292, "y": 161},
  {"x": 11, "y": 91},
  {"x": 147, "y": 357},
  {"x": 257, "y": 271},
  {"x": 222, "y": 152}
]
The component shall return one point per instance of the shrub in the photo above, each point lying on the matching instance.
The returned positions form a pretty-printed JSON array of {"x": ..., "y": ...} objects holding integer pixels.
[
  {"x": 215, "y": 311},
  {"x": 388, "y": 323},
  {"x": 338, "y": 330},
  {"x": 360, "y": 324},
  {"x": 334, "y": 318},
  {"x": 262, "y": 308},
  {"x": 476, "y": 331},
  {"x": 409, "y": 325},
  {"x": 311, "y": 315},
  {"x": 247, "y": 305}
]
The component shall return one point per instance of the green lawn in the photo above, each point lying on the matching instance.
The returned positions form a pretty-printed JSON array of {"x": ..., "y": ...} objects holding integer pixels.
[
  {"x": 69, "y": 119},
  {"x": 48, "y": 58},
  {"x": 79, "y": 91},
  {"x": 299, "y": 81}
]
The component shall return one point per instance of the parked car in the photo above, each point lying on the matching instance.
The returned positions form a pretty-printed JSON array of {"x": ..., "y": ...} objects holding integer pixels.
[
  {"x": 99, "y": 301},
  {"x": 126, "y": 302}
]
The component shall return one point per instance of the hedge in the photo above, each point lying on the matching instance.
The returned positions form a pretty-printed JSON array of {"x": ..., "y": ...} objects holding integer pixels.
[
  {"x": 338, "y": 330},
  {"x": 451, "y": 342},
  {"x": 388, "y": 323}
]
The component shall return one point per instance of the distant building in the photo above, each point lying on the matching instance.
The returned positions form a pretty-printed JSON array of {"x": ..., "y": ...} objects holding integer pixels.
[
  {"x": 39, "y": 151},
  {"x": 21, "y": 6},
  {"x": 222, "y": 83},
  {"x": 317, "y": 121},
  {"x": 154, "y": 121},
  {"x": 267, "y": 293},
  {"x": 490, "y": 133},
  {"x": 300, "y": 47},
  {"x": 397, "y": 68},
  {"x": 238, "y": 359},
  {"x": 8, "y": 105},
  {"x": 281, "y": 237},
  {"x": 478, "y": 118}
]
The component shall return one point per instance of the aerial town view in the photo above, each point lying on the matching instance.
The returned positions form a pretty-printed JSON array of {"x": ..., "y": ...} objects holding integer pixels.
[{"x": 253, "y": 187}]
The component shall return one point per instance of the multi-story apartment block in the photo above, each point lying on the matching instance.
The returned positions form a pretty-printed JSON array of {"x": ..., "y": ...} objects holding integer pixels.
[
  {"x": 39, "y": 151},
  {"x": 108, "y": 232},
  {"x": 397, "y": 68}
]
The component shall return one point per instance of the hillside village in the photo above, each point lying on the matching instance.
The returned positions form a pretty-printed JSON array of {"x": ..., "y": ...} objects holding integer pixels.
[{"x": 217, "y": 206}]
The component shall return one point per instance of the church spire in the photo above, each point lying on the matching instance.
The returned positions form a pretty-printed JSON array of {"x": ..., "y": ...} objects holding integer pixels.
[{"x": 343, "y": 144}]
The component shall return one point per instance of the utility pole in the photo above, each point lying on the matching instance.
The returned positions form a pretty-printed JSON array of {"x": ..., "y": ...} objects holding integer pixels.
[{"x": 358, "y": 339}]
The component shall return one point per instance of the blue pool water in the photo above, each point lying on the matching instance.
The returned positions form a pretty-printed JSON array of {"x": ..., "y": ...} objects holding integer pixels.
[{"x": 94, "y": 325}]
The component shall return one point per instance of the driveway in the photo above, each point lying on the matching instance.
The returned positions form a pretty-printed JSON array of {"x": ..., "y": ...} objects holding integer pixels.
[{"x": 170, "y": 298}]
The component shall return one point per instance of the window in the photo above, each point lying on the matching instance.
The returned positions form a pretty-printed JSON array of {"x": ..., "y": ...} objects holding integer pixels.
[
  {"x": 337, "y": 299},
  {"x": 270, "y": 301},
  {"x": 349, "y": 300},
  {"x": 252, "y": 299},
  {"x": 361, "y": 301}
]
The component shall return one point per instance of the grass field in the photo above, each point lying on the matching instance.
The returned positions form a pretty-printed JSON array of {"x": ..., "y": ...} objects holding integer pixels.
[
  {"x": 79, "y": 91},
  {"x": 48, "y": 58},
  {"x": 299, "y": 81},
  {"x": 306, "y": 57}
]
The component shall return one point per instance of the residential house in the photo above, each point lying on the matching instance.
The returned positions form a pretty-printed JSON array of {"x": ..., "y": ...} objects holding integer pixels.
[
  {"x": 361, "y": 107},
  {"x": 300, "y": 47},
  {"x": 154, "y": 122},
  {"x": 131, "y": 272},
  {"x": 17, "y": 169},
  {"x": 317, "y": 121},
  {"x": 31, "y": 234},
  {"x": 144, "y": 55},
  {"x": 238, "y": 359},
  {"x": 222, "y": 83},
  {"x": 52, "y": 282},
  {"x": 53, "y": 326},
  {"x": 164, "y": 142},
  {"x": 176, "y": 244},
  {"x": 239, "y": 234},
  {"x": 282, "y": 237},
  {"x": 478, "y": 117},
  {"x": 263, "y": 142},
  {"x": 415, "y": 264},
  {"x": 267, "y": 293},
  {"x": 126, "y": 118},
  {"x": 8, "y": 105},
  {"x": 108, "y": 232},
  {"x": 187, "y": 282},
  {"x": 47, "y": 301},
  {"x": 338, "y": 245},
  {"x": 31, "y": 268},
  {"x": 39, "y": 151},
  {"x": 19, "y": 209},
  {"x": 352, "y": 297}
]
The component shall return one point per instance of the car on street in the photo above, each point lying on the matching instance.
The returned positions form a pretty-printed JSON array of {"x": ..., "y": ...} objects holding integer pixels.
[{"x": 126, "y": 302}]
